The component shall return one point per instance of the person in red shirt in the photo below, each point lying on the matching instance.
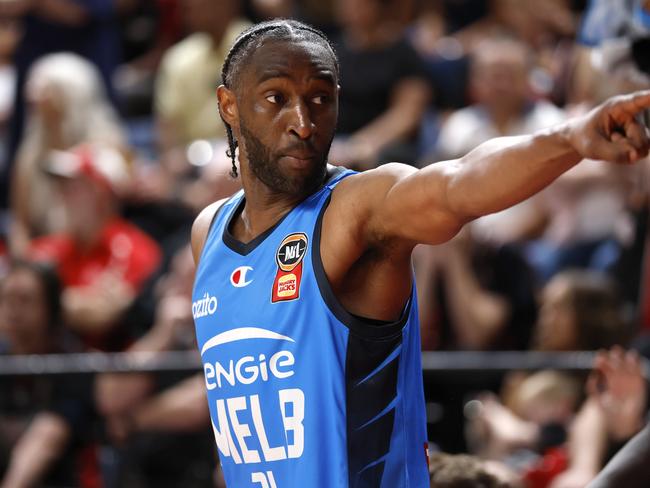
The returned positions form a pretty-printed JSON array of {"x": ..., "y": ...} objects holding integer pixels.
[{"x": 102, "y": 259}]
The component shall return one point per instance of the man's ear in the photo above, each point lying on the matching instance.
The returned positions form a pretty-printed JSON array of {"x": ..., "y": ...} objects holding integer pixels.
[{"x": 228, "y": 106}]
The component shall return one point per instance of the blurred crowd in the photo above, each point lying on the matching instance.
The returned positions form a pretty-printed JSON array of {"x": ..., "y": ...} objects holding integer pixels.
[{"x": 111, "y": 142}]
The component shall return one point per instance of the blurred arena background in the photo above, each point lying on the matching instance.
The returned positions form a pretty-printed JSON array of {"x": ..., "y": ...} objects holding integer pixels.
[{"x": 111, "y": 142}]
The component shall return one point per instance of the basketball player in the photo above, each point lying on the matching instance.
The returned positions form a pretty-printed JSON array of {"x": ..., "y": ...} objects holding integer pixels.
[{"x": 304, "y": 302}]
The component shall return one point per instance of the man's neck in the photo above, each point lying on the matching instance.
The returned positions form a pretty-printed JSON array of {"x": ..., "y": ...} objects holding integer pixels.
[{"x": 264, "y": 207}]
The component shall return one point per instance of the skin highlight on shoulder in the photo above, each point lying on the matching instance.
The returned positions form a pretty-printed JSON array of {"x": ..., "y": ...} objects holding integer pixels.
[{"x": 201, "y": 226}]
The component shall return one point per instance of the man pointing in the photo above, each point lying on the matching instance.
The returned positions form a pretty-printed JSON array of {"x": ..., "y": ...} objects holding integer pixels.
[{"x": 312, "y": 367}]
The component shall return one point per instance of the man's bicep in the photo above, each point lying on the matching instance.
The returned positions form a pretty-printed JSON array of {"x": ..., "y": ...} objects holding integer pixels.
[{"x": 413, "y": 206}]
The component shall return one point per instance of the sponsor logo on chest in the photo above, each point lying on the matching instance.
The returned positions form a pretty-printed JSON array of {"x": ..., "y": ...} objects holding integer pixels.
[
  {"x": 206, "y": 305},
  {"x": 245, "y": 420}
]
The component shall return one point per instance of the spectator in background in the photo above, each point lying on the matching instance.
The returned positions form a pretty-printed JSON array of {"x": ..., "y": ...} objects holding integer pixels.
[
  {"x": 579, "y": 311},
  {"x": 384, "y": 91},
  {"x": 462, "y": 471},
  {"x": 503, "y": 106},
  {"x": 43, "y": 423},
  {"x": 466, "y": 310},
  {"x": 191, "y": 135},
  {"x": 618, "y": 386},
  {"x": 605, "y": 20},
  {"x": 86, "y": 27},
  {"x": 270, "y": 9},
  {"x": 444, "y": 57},
  {"x": 103, "y": 260},
  {"x": 9, "y": 36},
  {"x": 68, "y": 106},
  {"x": 587, "y": 219},
  {"x": 547, "y": 28},
  {"x": 142, "y": 409},
  {"x": 618, "y": 390},
  {"x": 10, "y": 33},
  {"x": 185, "y": 104},
  {"x": 474, "y": 296},
  {"x": 149, "y": 30},
  {"x": 503, "y": 103},
  {"x": 589, "y": 212},
  {"x": 615, "y": 411}
]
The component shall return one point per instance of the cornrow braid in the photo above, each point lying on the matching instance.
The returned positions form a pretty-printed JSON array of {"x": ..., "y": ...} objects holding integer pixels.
[{"x": 242, "y": 49}]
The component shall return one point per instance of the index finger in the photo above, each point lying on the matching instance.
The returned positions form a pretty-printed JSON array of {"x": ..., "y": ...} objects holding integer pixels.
[{"x": 634, "y": 102}]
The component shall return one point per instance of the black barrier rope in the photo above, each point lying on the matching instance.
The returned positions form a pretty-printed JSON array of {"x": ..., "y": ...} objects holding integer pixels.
[
  {"x": 97, "y": 362},
  {"x": 465, "y": 362},
  {"x": 500, "y": 361}
]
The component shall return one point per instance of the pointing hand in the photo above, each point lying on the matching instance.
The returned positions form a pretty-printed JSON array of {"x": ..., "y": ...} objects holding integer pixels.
[{"x": 613, "y": 130}]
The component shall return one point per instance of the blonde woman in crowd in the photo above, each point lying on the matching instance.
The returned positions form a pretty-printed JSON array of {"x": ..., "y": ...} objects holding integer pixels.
[{"x": 67, "y": 105}]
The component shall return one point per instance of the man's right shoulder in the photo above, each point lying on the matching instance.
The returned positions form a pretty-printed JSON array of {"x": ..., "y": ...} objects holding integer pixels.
[{"x": 201, "y": 227}]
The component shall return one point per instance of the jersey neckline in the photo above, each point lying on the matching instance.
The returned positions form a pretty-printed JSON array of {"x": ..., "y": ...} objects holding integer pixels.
[{"x": 245, "y": 248}]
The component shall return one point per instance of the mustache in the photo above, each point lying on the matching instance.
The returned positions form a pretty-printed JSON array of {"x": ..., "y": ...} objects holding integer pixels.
[{"x": 299, "y": 146}]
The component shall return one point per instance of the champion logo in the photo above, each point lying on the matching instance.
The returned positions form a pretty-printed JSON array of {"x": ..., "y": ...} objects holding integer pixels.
[
  {"x": 238, "y": 277},
  {"x": 206, "y": 305}
]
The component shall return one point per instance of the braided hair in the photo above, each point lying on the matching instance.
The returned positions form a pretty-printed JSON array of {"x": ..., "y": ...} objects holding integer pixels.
[{"x": 245, "y": 45}]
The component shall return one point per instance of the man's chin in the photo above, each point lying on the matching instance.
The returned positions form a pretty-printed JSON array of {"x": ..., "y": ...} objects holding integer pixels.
[{"x": 303, "y": 181}]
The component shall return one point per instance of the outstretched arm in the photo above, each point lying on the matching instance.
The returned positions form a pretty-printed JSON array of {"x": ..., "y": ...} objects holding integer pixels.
[{"x": 432, "y": 204}]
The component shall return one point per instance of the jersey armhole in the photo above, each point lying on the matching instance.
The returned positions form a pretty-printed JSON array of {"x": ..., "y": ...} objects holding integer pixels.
[{"x": 362, "y": 327}]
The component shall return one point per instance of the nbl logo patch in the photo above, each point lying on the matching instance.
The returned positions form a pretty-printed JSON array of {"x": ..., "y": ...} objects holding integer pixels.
[
  {"x": 291, "y": 251},
  {"x": 288, "y": 257}
]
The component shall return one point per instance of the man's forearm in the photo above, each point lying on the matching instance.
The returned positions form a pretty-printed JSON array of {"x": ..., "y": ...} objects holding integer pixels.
[
  {"x": 496, "y": 175},
  {"x": 505, "y": 171}
]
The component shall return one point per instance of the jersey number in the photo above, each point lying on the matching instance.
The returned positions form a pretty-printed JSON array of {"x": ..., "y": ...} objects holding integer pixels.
[{"x": 266, "y": 480}]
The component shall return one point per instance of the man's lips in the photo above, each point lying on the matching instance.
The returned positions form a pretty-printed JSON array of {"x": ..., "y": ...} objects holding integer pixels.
[
  {"x": 303, "y": 156},
  {"x": 299, "y": 159}
]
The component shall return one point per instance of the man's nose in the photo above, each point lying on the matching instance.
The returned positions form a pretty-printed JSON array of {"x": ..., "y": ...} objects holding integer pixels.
[{"x": 300, "y": 122}]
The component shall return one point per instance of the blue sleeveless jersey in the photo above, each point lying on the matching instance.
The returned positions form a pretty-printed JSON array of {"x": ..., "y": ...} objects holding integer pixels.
[{"x": 301, "y": 392}]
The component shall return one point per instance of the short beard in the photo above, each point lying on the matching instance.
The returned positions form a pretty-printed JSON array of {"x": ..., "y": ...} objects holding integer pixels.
[{"x": 266, "y": 168}]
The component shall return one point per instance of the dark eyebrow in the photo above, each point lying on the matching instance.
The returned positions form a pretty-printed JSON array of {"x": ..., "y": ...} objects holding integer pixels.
[
  {"x": 270, "y": 74},
  {"x": 324, "y": 75}
]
